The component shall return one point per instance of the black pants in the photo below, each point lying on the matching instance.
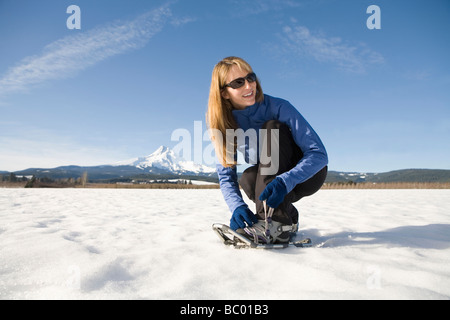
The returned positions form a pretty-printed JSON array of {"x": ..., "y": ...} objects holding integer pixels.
[{"x": 253, "y": 182}]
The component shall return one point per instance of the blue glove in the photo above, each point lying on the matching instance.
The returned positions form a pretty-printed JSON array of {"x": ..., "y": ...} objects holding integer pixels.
[
  {"x": 274, "y": 193},
  {"x": 241, "y": 215}
]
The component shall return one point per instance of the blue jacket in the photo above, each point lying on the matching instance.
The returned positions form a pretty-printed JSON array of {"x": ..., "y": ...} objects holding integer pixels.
[{"x": 253, "y": 117}]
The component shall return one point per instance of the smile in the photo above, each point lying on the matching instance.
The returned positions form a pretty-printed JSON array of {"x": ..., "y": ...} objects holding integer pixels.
[{"x": 248, "y": 94}]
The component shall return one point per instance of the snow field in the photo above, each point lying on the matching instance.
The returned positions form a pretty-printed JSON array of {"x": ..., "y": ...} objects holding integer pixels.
[{"x": 158, "y": 244}]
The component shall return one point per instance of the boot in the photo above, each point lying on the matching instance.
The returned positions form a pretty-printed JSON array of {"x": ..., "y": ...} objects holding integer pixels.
[{"x": 276, "y": 232}]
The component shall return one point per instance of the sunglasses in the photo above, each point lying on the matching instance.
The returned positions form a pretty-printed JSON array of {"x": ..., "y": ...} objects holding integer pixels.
[{"x": 239, "y": 82}]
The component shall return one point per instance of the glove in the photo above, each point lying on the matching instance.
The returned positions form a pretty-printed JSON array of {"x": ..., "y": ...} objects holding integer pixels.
[
  {"x": 241, "y": 215},
  {"x": 274, "y": 193}
]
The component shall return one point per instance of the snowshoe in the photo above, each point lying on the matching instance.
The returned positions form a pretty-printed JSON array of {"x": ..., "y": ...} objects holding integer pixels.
[
  {"x": 239, "y": 240},
  {"x": 265, "y": 234}
]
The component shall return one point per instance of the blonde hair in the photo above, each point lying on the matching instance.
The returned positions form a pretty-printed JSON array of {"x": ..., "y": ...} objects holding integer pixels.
[{"x": 219, "y": 116}]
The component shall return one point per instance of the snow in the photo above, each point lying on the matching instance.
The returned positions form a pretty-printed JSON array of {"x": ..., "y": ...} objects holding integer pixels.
[
  {"x": 166, "y": 159},
  {"x": 158, "y": 244},
  {"x": 196, "y": 182}
]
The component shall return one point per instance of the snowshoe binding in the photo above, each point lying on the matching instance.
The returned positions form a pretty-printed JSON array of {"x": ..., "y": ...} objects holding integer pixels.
[{"x": 265, "y": 234}]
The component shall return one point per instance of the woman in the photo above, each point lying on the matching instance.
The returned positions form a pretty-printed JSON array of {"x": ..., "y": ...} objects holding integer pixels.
[{"x": 298, "y": 159}]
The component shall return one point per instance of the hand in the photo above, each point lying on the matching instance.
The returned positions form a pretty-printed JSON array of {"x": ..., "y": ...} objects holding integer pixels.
[
  {"x": 242, "y": 215},
  {"x": 274, "y": 193}
]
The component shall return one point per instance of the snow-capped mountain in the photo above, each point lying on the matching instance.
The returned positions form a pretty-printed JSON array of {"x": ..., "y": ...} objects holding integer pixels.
[{"x": 165, "y": 159}]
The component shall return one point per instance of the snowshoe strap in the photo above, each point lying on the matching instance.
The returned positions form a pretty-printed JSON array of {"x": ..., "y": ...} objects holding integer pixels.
[
  {"x": 252, "y": 231},
  {"x": 268, "y": 217},
  {"x": 285, "y": 228}
]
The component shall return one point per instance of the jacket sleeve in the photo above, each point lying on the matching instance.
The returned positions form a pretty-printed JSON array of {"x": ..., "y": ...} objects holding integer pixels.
[
  {"x": 229, "y": 186},
  {"x": 315, "y": 156}
]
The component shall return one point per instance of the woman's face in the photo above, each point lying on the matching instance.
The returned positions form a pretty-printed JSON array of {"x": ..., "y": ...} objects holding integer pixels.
[{"x": 242, "y": 97}]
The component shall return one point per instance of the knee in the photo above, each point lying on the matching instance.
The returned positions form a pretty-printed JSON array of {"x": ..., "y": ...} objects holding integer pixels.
[
  {"x": 248, "y": 181},
  {"x": 272, "y": 124},
  {"x": 248, "y": 177},
  {"x": 275, "y": 124},
  {"x": 250, "y": 172}
]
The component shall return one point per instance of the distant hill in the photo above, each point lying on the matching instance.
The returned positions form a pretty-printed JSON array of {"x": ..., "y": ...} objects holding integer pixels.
[
  {"x": 165, "y": 164},
  {"x": 161, "y": 164},
  {"x": 405, "y": 175},
  {"x": 107, "y": 173}
]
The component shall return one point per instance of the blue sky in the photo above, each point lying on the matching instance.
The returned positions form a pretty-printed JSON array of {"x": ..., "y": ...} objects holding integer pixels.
[{"x": 137, "y": 70}]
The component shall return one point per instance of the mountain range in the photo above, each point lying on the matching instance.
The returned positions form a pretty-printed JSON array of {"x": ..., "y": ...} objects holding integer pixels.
[
  {"x": 165, "y": 164},
  {"x": 404, "y": 175},
  {"x": 162, "y": 164}
]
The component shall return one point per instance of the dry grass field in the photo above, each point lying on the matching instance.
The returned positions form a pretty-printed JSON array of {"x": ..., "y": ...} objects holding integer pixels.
[{"x": 327, "y": 186}]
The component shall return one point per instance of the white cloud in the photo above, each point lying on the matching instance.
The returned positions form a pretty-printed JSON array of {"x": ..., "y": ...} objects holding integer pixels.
[
  {"x": 179, "y": 21},
  {"x": 242, "y": 8},
  {"x": 67, "y": 56},
  {"x": 350, "y": 57},
  {"x": 40, "y": 148}
]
